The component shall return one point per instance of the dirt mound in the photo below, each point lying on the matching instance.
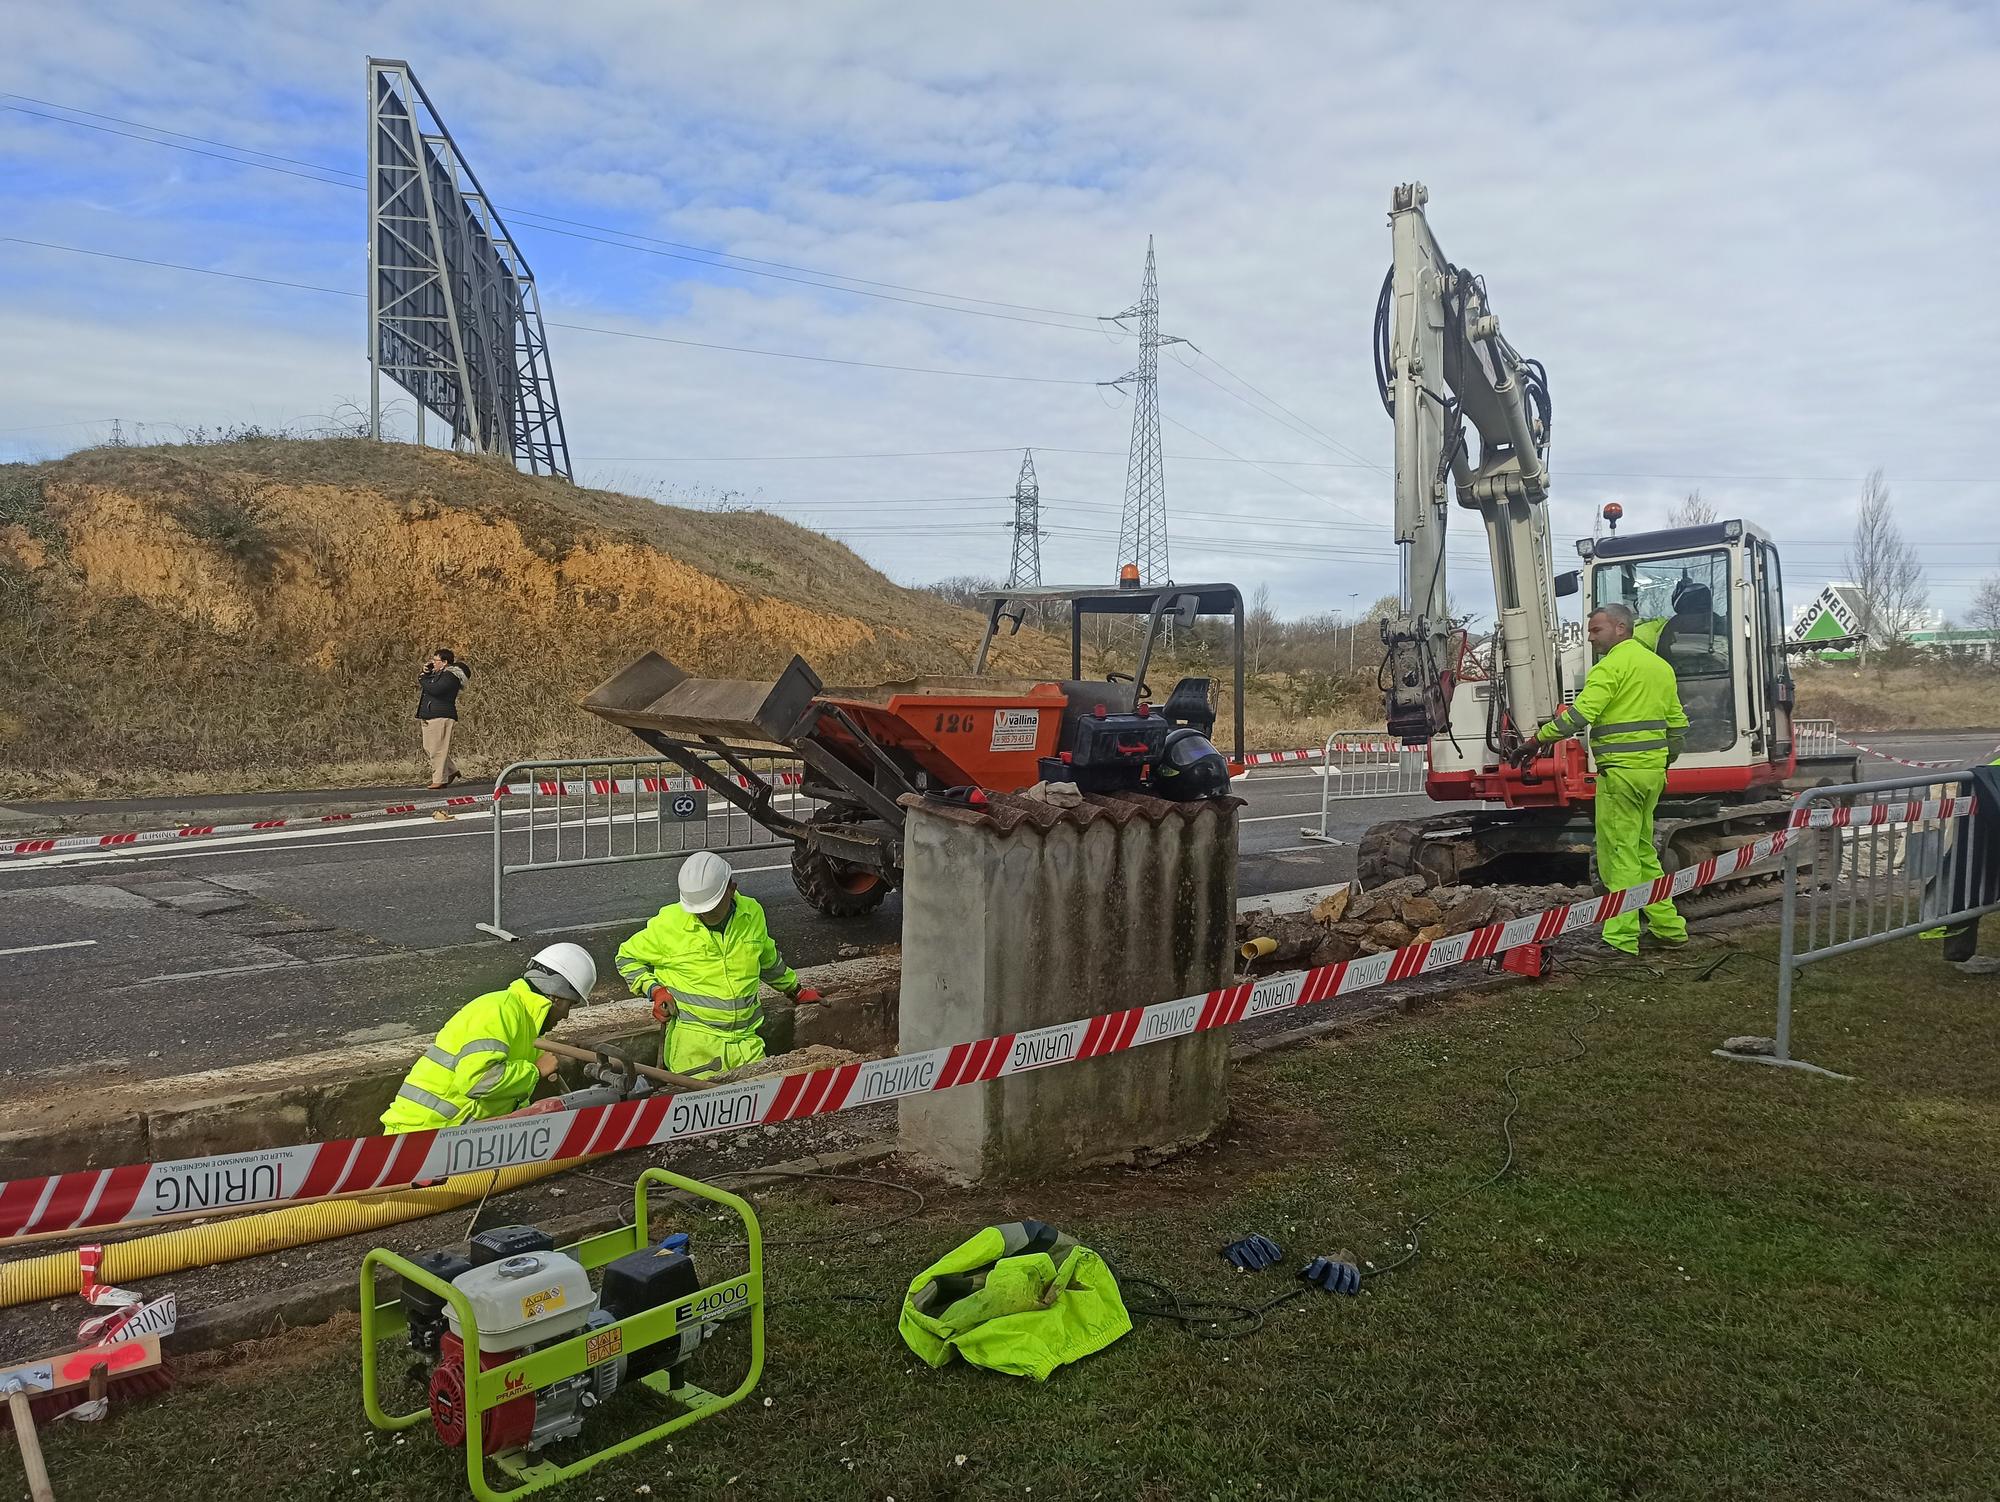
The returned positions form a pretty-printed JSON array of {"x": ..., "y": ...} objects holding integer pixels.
[{"x": 255, "y": 614}]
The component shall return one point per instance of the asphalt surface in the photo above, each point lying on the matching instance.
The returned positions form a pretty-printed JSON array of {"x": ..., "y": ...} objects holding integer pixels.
[{"x": 162, "y": 961}]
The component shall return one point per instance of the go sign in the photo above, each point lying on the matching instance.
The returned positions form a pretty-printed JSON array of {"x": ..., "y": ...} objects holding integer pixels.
[{"x": 686, "y": 808}]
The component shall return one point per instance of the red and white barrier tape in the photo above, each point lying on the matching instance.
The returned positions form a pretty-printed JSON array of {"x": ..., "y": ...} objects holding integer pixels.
[
  {"x": 1904, "y": 761},
  {"x": 1318, "y": 753},
  {"x": 145, "y": 1191},
  {"x": 574, "y": 787}
]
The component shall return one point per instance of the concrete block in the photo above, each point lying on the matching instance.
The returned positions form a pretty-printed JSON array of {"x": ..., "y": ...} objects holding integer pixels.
[
  {"x": 1022, "y": 916},
  {"x": 234, "y": 1124}
]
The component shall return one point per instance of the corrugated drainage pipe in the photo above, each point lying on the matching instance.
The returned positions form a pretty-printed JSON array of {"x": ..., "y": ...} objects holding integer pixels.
[{"x": 58, "y": 1273}]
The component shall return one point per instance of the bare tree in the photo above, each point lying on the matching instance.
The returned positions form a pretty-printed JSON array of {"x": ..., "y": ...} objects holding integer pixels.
[
  {"x": 1260, "y": 623},
  {"x": 1692, "y": 510},
  {"x": 1885, "y": 569},
  {"x": 1985, "y": 612}
]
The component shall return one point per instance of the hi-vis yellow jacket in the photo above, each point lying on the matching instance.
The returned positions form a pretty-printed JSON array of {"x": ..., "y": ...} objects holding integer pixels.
[
  {"x": 481, "y": 1064},
  {"x": 1631, "y": 706}
]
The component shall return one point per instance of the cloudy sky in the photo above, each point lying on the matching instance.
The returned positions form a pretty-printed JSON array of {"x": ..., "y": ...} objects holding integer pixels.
[{"x": 1751, "y": 244}]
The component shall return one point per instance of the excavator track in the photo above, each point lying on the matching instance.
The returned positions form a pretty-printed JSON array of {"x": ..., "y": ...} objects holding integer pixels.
[{"x": 1471, "y": 848}]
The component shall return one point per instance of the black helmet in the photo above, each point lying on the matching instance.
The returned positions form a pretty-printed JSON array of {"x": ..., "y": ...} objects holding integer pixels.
[{"x": 1190, "y": 767}]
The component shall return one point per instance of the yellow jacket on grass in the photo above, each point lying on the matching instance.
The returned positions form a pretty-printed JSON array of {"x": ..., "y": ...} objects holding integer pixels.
[
  {"x": 713, "y": 976},
  {"x": 481, "y": 1064},
  {"x": 1022, "y": 1298}
]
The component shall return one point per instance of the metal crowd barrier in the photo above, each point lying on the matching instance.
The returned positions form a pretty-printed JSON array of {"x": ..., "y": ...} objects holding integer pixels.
[
  {"x": 1364, "y": 764},
  {"x": 1850, "y": 887},
  {"x": 1814, "y": 738},
  {"x": 564, "y": 815}
]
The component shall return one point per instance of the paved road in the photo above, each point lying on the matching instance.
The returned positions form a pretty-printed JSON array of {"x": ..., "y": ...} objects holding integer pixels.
[
  {"x": 165, "y": 961},
  {"x": 162, "y": 961}
]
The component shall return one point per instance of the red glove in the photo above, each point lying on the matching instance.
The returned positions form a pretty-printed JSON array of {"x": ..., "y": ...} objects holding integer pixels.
[
  {"x": 663, "y": 1004},
  {"x": 806, "y": 994}
]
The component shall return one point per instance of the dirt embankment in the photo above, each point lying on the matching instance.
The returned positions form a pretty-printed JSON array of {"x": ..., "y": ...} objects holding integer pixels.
[{"x": 255, "y": 614}]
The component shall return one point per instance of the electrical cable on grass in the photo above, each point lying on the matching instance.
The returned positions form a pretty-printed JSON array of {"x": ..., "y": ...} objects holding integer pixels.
[{"x": 1413, "y": 1247}]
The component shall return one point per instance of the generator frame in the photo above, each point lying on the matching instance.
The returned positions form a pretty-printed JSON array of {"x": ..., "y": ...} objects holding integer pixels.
[{"x": 491, "y": 1387}]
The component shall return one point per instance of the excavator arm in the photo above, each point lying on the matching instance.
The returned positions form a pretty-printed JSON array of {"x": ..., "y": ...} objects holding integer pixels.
[{"x": 1443, "y": 368}]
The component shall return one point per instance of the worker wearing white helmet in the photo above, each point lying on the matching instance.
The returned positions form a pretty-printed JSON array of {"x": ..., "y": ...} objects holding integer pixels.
[
  {"x": 702, "y": 961},
  {"x": 484, "y": 1061}
]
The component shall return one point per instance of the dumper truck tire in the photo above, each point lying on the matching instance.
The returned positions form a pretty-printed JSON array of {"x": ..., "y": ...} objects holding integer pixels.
[{"x": 836, "y": 889}]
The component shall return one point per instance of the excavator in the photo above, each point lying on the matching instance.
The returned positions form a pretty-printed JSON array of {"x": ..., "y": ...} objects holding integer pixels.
[{"x": 1473, "y": 420}]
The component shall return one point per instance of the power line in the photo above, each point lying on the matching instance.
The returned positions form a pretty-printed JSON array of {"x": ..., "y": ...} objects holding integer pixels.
[
  {"x": 694, "y": 254},
  {"x": 580, "y": 328}
]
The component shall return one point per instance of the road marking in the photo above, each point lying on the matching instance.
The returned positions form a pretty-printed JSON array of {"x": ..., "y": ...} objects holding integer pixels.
[
  {"x": 44, "y": 948},
  {"x": 546, "y": 820}
]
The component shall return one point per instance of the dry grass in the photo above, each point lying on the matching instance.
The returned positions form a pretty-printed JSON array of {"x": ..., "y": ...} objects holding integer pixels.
[
  {"x": 253, "y": 614},
  {"x": 1927, "y": 695}
]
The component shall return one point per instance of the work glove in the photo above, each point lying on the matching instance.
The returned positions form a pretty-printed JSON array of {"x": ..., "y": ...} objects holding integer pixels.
[
  {"x": 1525, "y": 754},
  {"x": 1332, "y": 1275},
  {"x": 663, "y": 1004},
  {"x": 805, "y": 995},
  {"x": 1253, "y": 1253}
]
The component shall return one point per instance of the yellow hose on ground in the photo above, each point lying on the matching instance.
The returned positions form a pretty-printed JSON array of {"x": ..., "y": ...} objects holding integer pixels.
[{"x": 58, "y": 1273}]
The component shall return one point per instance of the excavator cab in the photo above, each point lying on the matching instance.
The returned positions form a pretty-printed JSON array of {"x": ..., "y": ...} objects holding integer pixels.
[{"x": 1710, "y": 600}]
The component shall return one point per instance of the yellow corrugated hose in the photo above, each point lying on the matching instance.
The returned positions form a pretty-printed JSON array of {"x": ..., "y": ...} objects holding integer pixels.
[{"x": 58, "y": 1273}]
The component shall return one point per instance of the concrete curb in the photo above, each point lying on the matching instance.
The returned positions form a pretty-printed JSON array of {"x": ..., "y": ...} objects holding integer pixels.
[{"x": 340, "y": 1093}]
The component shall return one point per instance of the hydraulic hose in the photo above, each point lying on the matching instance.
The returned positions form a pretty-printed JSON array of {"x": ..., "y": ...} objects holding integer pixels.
[{"x": 58, "y": 1273}]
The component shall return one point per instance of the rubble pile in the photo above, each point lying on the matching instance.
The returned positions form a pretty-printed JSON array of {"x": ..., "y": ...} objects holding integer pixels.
[{"x": 1409, "y": 910}]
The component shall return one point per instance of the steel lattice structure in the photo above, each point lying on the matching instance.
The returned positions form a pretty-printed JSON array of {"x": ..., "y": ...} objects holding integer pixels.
[
  {"x": 1142, "y": 526},
  {"x": 453, "y": 314},
  {"x": 1026, "y": 568}
]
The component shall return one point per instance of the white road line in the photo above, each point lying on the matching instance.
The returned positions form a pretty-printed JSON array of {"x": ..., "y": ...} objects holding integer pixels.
[
  {"x": 1266, "y": 818},
  {"x": 43, "y": 948},
  {"x": 339, "y": 835}
]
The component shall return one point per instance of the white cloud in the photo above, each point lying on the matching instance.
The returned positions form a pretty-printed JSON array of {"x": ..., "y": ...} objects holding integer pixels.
[{"x": 1745, "y": 243}]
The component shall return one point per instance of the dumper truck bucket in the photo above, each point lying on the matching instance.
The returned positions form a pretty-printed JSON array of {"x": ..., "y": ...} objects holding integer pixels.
[{"x": 652, "y": 695}]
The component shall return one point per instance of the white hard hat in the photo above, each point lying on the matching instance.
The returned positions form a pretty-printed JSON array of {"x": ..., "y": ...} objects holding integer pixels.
[
  {"x": 564, "y": 970},
  {"x": 705, "y": 878}
]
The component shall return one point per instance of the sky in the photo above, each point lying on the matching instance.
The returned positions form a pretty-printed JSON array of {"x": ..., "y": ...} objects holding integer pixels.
[{"x": 1748, "y": 243}]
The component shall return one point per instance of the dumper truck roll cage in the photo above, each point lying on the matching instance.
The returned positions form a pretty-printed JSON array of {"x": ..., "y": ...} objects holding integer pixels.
[{"x": 864, "y": 748}]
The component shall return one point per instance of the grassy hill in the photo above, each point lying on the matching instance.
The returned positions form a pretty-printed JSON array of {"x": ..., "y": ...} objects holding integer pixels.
[{"x": 254, "y": 614}]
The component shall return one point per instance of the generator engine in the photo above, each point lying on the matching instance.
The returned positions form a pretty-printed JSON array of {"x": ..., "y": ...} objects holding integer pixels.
[{"x": 526, "y": 1295}]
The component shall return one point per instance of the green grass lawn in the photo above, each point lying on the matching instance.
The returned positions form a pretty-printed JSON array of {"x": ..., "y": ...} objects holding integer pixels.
[{"x": 1702, "y": 1280}]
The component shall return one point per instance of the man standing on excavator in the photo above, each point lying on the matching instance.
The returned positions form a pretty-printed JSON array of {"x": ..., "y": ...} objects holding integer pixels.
[
  {"x": 1632, "y": 710},
  {"x": 702, "y": 960}
]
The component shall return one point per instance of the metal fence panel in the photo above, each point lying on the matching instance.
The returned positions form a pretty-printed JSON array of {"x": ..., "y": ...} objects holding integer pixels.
[
  {"x": 1364, "y": 764},
  {"x": 562, "y": 815},
  {"x": 1852, "y": 885},
  {"x": 1814, "y": 738}
]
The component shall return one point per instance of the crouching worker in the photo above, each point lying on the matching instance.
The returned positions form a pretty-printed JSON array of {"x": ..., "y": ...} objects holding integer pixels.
[
  {"x": 701, "y": 961},
  {"x": 484, "y": 1061}
]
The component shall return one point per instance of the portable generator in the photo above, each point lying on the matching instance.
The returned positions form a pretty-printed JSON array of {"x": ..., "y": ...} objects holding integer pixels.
[{"x": 517, "y": 1349}]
